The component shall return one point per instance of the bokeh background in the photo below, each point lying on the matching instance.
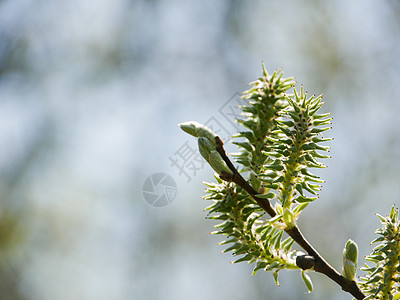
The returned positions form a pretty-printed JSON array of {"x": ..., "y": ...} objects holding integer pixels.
[{"x": 90, "y": 96}]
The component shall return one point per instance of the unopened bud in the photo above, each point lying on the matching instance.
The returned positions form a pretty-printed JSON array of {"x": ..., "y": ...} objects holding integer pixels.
[
  {"x": 288, "y": 218},
  {"x": 205, "y": 147},
  {"x": 350, "y": 257},
  {"x": 305, "y": 261},
  {"x": 189, "y": 127},
  {"x": 199, "y": 130},
  {"x": 219, "y": 165},
  {"x": 207, "y": 150}
]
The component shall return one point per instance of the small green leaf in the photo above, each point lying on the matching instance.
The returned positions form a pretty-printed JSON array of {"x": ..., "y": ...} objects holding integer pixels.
[
  {"x": 261, "y": 229},
  {"x": 243, "y": 249},
  {"x": 319, "y": 130},
  {"x": 383, "y": 219},
  {"x": 278, "y": 240},
  {"x": 305, "y": 200},
  {"x": 309, "y": 188},
  {"x": 275, "y": 167},
  {"x": 275, "y": 275},
  {"x": 299, "y": 208},
  {"x": 274, "y": 219},
  {"x": 321, "y": 116},
  {"x": 248, "y": 135},
  {"x": 378, "y": 270},
  {"x": 255, "y": 181},
  {"x": 374, "y": 279},
  {"x": 244, "y": 258},
  {"x": 228, "y": 241},
  {"x": 299, "y": 188},
  {"x": 320, "y": 122},
  {"x": 245, "y": 145},
  {"x": 287, "y": 245},
  {"x": 272, "y": 266},
  {"x": 231, "y": 248},
  {"x": 269, "y": 195},
  {"x": 307, "y": 281},
  {"x": 260, "y": 265}
]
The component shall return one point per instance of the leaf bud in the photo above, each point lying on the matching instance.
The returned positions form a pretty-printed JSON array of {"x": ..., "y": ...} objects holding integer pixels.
[
  {"x": 288, "y": 218},
  {"x": 350, "y": 257},
  {"x": 305, "y": 261},
  {"x": 199, "y": 130},
  {"x": 207, "y": 150},
  {"x": 219, "y": 165},
  {"x": 189, "y": 127}
]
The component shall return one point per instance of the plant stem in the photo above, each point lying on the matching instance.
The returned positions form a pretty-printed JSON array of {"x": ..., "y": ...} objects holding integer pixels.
[{"x": 321, "y": 265}]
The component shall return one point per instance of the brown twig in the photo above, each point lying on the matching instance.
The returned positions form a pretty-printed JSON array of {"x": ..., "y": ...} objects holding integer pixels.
[
  {"x": 320, "y": 264},
  {"x": 240, "y": 181}
]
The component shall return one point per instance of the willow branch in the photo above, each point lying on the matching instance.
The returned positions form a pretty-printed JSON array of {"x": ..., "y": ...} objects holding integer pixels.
[{"x": 320, "y": 264}]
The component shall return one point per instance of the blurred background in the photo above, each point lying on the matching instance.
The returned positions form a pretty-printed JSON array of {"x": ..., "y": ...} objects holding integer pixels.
[{"x": 90, "y": 96}]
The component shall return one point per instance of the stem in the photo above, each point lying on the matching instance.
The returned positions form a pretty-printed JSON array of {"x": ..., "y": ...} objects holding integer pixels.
[
  {"x": 321, "y": 265},
  {"x": 240, "y": 181}
]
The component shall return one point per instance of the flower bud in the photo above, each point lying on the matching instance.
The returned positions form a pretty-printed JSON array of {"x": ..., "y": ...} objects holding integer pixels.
[
  {"x": 205, "y": 147},
  {"x": 350, "y": 257},
  {"x": 189, "y": 127},
  {"x": 207, "y": 150},
  {"x": 219, "y": 165},
  {"x": 199, "y": 130}
]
